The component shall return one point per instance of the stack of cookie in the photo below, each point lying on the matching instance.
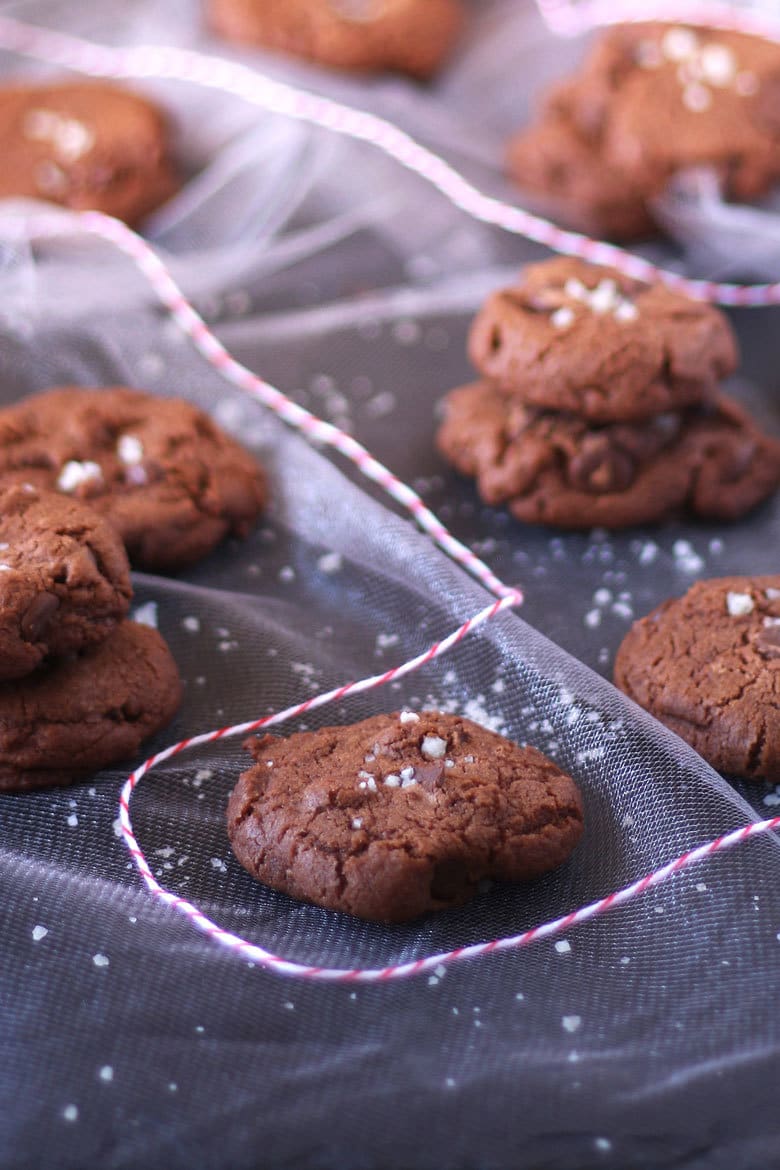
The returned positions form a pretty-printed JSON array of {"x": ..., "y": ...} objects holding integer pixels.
[
  {"x": 600, "y": 405},
  {"x": 649, "y": 101},
  {"x": 80, "y": 686},
  {"x": 89, "y": 477}
]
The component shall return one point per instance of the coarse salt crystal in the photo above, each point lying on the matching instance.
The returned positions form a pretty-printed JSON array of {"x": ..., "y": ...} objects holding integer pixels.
[
  {"x": 739, "y": 604},
  {"x": 562, "y": 317},
  {"x": 571, "y": 1023},
  {"x": 74, "y": 474},
  {"x": 392, "y": 781},
  {"x": 408, "y": 717},
  {"x": 130, "y": 449},
  {"x": 679, "y": 43},
  {"x": 407, "y": 773},
  {"x": 433, "y": 747},
  {"x": 357, "y": 823},
  {"x": 772, "y": 594},
  {"x": 100, "y": 960},
  {"x": 39, "y": 932},
  {"x": 696, "y": 97},
  {"x": 718, "y": 64}
]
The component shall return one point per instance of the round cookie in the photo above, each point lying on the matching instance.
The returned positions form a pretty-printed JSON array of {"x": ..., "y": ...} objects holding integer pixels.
[
  {"x": 409, "y": 36},
  {"x": 555, "y": 469},
  {"x": 76, "y": 716},
  {"x": 159, "y": 470},
  {"x": 400, "y": 814},
  {"x": 650, "y": 100},
  {"x": 64, "y": 578},
  {"x": 708, "y": 666},
  {"x": 575, "y": 337},
  {"x": 85, "y": 145}
]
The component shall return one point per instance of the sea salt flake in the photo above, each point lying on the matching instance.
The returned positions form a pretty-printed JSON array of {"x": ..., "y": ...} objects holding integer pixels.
[
  {"x": 74, "y": 474},
  {"x": 100, "y": 960},
  {"x": 679, "y": 43},
  {"x": 71, "y": 1113},
  {"x": 106, "y": 1073},
  {"x": 39, "y": 932},
  {"x": 191, "y": 625},
  {"x": 330, "y": 562},
  {"x": 718, "y": 64},
  {"x": 408, "y": 717},
  {"x": 433, "y": 747},
  {"x": 218, "y": 864},
  {"x": 562, "y": 318},
  {"x": 146, "y": 615},
  {"x": 739, "y": 604},
  {"x": 407, "y": 773},
  {"x": 626, "y": 311},
  {"x": 392, "y": 781},
  {"x": 772, "y": 594},
  {"x": 130, "y": 449},
  {"x": 696, "y": 97},
  {"x": 563, "y": 946},
  {"x": 357, "y": 823},
  {"x": 571, "y": 1023},
  {"x": 73, "y": 820}
]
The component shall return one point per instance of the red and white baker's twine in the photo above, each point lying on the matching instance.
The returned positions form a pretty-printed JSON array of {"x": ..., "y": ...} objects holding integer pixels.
[
  {"x": 164, "y": 62},
  {"x": 160, "y": 62}
]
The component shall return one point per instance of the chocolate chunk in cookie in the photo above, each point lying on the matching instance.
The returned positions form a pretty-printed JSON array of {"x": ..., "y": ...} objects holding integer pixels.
[
  {"x": 75, "y": 716},
  {"x": 399, "y": 814},
  {"x": 708, "y": 666},
  {"x": 553, "y": 468},
  {"x": 652, "y": 100},
  {"x": 575, "y": 337},
  {"x": 159, "y": 470},
  {"x": 85, "y": 145},
  {"x": 64, "y": 578},
  {"x": 409, "y": 36}
]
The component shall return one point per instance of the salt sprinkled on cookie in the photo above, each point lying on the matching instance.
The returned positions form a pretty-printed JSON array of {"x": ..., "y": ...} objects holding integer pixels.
[
  {"x": 739, "y": 604},
  {"x": 433, "y": 747},
  {"x": 74, "y": 474},
  {"x": 130, "y": 449},
  {"x": 408, "y": 717}
]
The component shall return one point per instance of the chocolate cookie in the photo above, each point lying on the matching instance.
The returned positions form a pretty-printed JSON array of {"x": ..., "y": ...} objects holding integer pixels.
[
  {"x": 64, "y": 578},
  {"x": 651, "y": 100},
  {"x": 76, "y": 716},
  {"x": 575, "y": 337},
  {"x": 400, "y": 814},
  {"x": 551, "y": 468},
  {"x": 85, "y": 145},
  {"x": 708, "y": 666},
  {"x": 158, "y": 469},
  {"x": 409, "y": 36}
]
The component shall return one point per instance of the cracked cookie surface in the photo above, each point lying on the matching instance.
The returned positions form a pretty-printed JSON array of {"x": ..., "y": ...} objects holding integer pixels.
[
  {"x": 651, "y": 100},
  {"x": 87, "y": 146},
  {"x": 64, "y": 578},
  {"x": 399, "y": 814},
  {"x": 75, "y": 716},
  {"x": 159, "y": 470},
  {"x": 708, "y": 666},
  {"x": 575, "y": 337},
  {"x": 409, "y": 36},
  {"x": 550, "y": 468}
]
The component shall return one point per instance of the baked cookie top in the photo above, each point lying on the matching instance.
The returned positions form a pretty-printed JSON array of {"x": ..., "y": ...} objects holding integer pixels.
[
  {"x": 81, "y": 714},
  {"x": 575, "y": 337},
  {"x": 64, "y": 578},
  {"x": 399, "y": 814},
  {"x": 708, "y": 666},
  {"x": 85, "y": 145},
  {"x": 161, "y": 472},
  {"x": 650, "y": 100},
  {"x": 409, "y": 36},
  {"x": 553, "y": 468}
]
